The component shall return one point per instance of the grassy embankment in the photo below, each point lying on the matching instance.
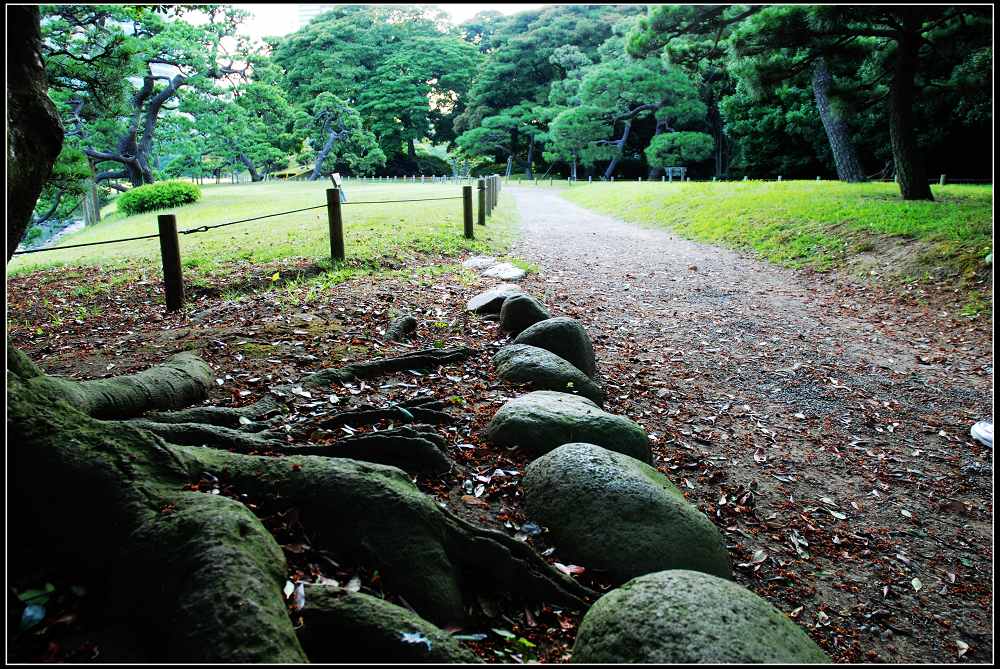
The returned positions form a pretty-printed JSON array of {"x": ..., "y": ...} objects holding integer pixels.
[
  {"x": 864, "y": 228},
  {"x": 376, "y": 236}
]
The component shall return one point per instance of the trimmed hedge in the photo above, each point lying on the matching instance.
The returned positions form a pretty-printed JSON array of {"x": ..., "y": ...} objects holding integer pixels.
[{"x": 161, "y": 195}]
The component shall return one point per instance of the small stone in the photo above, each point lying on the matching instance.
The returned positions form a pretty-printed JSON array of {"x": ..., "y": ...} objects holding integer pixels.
[
  {"x": 566, "y": 338},
  {"x": 490, "y": 301},
  {"x": 543, "y": 420},
  {"x": 519, "y": 312},
  {"x": 505, "y": 271},
  {"x": 479, "y": 262},
  {"x": 544, "y": 370}
]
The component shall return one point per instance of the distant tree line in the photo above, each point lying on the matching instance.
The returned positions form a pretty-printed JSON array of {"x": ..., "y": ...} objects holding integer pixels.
[{"x": 158, "y": 91}]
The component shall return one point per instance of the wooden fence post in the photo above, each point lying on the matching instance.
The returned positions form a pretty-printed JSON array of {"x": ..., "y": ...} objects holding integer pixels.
[
  {"x": 467, "y": 211},
  {"x": 482, "y": 202},
  {"x": 941, "y": 181},
  {"x": 170, "y": 251},
  {"x": 336, "y": 224}
]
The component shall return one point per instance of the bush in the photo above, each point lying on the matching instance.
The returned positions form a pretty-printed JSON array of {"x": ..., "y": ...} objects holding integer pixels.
[{"x": 161, "y": 195}]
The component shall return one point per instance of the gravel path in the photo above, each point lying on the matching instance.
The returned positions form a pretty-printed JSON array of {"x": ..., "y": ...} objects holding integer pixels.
[{"x": 823, "y": 424}]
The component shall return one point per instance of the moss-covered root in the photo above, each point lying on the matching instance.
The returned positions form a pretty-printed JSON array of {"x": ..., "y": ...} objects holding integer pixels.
[
  {"x": 181, "y": 381},
  {"x": 196, "y": 576},
  {"x": 340, "y": 626},
  {"x": 374, "y": 514}
]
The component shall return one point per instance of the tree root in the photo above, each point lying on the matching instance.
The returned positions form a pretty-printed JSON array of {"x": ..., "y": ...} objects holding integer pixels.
[
  {"x": 181, "y": 381},
  {"x": 423, "y": 409},
  {"x": 413, "y": 451},
  {"x": 198, "y": 434},
  {"x": 423, "y": 551},
  {"x": 114, "y": 501},
  {"x": 430, "y": 357},
  {"x": 339, "y": 626}
]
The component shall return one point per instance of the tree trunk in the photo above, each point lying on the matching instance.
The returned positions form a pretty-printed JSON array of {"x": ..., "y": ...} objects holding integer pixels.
[
  {"x": 531, "y": 155},
  {"x": 323, "y": 153},
  {"x": 656, "y": 170},
  {"x": 608, "y": 173},
  {"x": 411, "y": 150},
  {"x": 910, "y": 169},
  {"x": 92, "y": 199},
  {"x": 254, "y": 175},
  {"x": 845, "y": 157},
  {"x": 572, "y": 172},
  {"x": 35, "y": 135}
]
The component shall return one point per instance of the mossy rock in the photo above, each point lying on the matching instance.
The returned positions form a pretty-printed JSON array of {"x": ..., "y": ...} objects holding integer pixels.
[
  {"x": 609, "y": 511},
  {"x": 687, "y": 617},
  {"x": 544, "y": 370},
  {"x": 341, "y": 626},
  {"x": 520, "y": 312},
  {"x": 566, "y": 338},
  {"x": 543, "y": 420}
]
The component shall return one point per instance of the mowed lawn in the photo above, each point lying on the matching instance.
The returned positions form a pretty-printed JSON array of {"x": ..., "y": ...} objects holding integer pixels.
[
  {"x": 373, "y": 233},
  {"x": 814, "y": 224}
]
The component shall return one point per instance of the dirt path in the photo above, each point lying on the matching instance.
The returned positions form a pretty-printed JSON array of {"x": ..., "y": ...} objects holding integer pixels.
[{"x": 822, "y": 424}]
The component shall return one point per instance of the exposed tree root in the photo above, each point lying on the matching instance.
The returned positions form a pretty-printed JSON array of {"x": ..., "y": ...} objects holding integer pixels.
[
  {"x": 197, "y": 434},
  {"x": 430, "y": 357},
  {"x": 197, "y": 576},
  {"x": 339, "y": 626},
  {"x": 413, "y": 451}
]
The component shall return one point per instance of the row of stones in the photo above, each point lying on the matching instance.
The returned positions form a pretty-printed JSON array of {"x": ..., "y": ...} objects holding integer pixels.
[{"x": 593, "y": 486}]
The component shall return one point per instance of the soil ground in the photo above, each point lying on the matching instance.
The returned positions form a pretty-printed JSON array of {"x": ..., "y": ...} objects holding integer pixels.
[{"x": 822, "y": 424}]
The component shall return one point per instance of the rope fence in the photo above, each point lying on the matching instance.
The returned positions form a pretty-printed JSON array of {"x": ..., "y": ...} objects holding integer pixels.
[{"x": 489, "y": 190}]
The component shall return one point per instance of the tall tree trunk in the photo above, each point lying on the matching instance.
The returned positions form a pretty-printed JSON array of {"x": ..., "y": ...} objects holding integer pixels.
[
  {"x": 717, "y": 129},
  {"x": 656, "y": 170},
  {"x": 572, "y": 173},
  {"x": 321, "y": 156},
  {"x": 411, "y": 150},
  {"x": 531, "y": 155},
  {"x": 254, "y": 175},
  {"x": 845, "y": 156},
  {"x": 608, "y": 173},
  {"x": 910, "y": 170},
  {"x": 35, "y": 135}
]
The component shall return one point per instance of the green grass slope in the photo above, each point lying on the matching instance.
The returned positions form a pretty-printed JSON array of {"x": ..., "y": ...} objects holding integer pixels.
[
  {"x": 821, "y": 225},
  {"x": 373, "y": 233}
]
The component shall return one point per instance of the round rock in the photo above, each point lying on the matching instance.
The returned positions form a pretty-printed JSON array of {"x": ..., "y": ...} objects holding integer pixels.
[
  {"x": 544, "y": 370},
  {"x": 687, "y": 617},
  {"x": 609, "y": 511},
  {"x": 543, "y": 420},
  {"x": 505, "y": 271},
  {"x": 490, "y": 301},
  {"x": 521, "y": 311},
  {"x": 566, "y": 338}
]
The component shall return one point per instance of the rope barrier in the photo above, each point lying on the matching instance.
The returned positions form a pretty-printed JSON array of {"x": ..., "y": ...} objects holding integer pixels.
[{"x": 206, "y": 228}]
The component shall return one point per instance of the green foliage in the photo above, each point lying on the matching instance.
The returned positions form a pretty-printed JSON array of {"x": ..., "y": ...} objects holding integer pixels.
[
  {"x": 163, "y": 195},
  {"x": 674, "y": 149}
]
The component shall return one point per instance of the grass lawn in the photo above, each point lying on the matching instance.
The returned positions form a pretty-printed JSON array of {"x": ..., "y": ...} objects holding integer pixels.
[
  {"x": 821, "y": 225},
  {"x": 374, "y": 234}
]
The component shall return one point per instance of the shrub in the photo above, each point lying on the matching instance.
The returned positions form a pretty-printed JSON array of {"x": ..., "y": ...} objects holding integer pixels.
[{"x": 161, "y": 195}]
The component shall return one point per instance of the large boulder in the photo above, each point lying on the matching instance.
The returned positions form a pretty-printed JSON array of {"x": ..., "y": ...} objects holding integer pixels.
[
  {"x": 519, "y": 312},
  {"x": 566, "y": 338},
  {"x": 543, "y": 420},
  {"x": 612, "y": 512},
  {"x": 490, "y": 301},
  {"x": 687, "y": 617},
  {"x": 544, "y": 370}
]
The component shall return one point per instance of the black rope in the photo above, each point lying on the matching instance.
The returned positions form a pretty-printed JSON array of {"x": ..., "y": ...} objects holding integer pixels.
[
  {"x": 206, "y": 228},
  {"x": 74, "y": 246},
  {"x": 423, "y": 199}
]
